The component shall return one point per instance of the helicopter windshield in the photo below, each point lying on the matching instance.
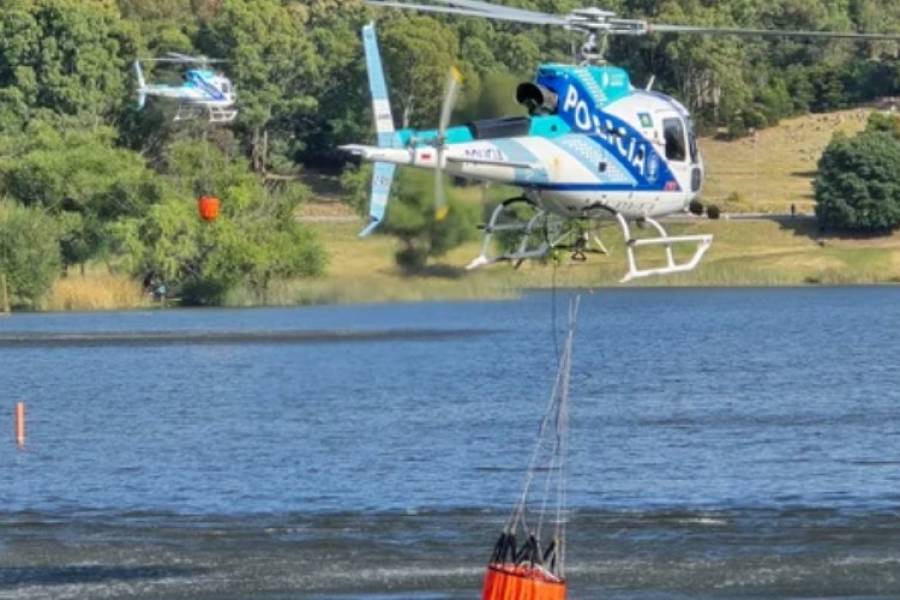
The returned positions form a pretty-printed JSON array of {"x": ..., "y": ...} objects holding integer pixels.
[{"x": 676, "y": 149}]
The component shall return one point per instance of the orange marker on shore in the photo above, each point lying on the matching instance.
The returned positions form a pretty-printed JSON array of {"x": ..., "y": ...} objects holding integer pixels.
[{"x": 20, "y": 424}]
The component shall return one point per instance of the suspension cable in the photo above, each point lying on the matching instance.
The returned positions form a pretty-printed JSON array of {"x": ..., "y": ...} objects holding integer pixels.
[{"x": 553, "y": 448}]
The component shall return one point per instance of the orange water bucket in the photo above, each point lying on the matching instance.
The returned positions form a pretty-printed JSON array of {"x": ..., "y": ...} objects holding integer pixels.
[
  {"x": 510, "y": 582},
  {"x": 208, "y": 207}
]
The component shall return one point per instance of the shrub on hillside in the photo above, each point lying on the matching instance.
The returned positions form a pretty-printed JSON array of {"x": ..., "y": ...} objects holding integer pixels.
[
  {"x": 29, "y": 253},
  {"x": 76, "y": 174},
  {"x": 857, "y": 189},
  {"x": 410, "y": 216},
  {"x": 255, "y": 241},
  {"x": 884, "y": 122}
]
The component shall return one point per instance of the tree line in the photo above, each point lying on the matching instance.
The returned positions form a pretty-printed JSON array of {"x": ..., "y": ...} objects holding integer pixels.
[{"x": 97, "y": 180}]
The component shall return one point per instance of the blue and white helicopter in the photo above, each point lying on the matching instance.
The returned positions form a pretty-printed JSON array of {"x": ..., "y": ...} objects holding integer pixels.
[
  {"x": 204, "y": 91},
  {"x": 593, "y": 147}
]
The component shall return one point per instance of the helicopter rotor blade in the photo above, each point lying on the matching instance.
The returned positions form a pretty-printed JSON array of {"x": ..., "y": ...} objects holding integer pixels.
[
  {"x": 492, "y": 9},
  {"x": 454, "y": 83},
  {"x": 849, "y": 35},
  {"x": 451, "y": 94},
  {"x": 184, "y": 58},
  {"x": 440, "y": 193},
  {"x": 539, "y": 19},
  {"x": 594, "y": 20}
]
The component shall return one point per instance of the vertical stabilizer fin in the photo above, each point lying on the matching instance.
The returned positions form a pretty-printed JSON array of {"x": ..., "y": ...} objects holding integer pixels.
[
  {"x": 382, "y": 178},
  {"x": 383, "y": 175}
]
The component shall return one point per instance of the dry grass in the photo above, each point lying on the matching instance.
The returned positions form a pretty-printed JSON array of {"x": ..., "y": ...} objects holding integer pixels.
[
  {"x": 778, "y": 169},
  {"x": 363, "y": 270},
  {"x": 94, "y": 291},
  {"x": 326, "y": 210},
  {"x": 745, "y": 253}
]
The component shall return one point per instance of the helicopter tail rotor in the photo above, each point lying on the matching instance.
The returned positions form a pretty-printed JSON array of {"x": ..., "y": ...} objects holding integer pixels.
[
  {"x": 142, "y": 85},
  {"x": 454, "y": 83}
]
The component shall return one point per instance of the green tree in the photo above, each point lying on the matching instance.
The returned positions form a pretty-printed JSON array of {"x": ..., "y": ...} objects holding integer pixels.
[
  {"x": 857, "y": 188},
  {"x": 343, "y": 113},
  {"x": 68, "y": 56},
  {"x": 355, "y": 184},
  {"x": 419, "y": 52},
  {"x": 497, "y": 98},
  {"x": 708, "y": 71},
  {"x": 411, "y": 218},
  {"x": 255, "y": 240},
  {"x": 885, "y": 123},
  {"x": 79, "y": 176},
  {"x": 519, "y": 52},
  {"x": 272, "y": 60},
  {"x": 29, "y": 253}
]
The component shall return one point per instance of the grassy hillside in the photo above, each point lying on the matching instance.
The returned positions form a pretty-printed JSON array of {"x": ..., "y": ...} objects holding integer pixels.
[{"x": 775, "y": 168}]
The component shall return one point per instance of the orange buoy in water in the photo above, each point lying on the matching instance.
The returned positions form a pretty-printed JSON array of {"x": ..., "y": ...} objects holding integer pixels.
[
  {"x": 19, "y": 419},
  {"x": 208, "y": 207}
]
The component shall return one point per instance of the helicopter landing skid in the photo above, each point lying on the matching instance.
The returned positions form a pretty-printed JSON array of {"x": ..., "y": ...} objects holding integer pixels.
[
  {"x": 222, "y": 115},
  {"x": 703, "y": 242},
  {"x": 504, "y": 221},
  {"x": 187, "y": 112},
  {"x": 532, "y": 237},
  {"x": 216, "y": 114},
  {"x": 543, "y": 232}
]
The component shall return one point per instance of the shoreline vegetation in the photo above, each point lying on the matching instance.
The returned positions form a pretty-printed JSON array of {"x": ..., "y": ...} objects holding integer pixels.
[{"x": 754, "y": 180}]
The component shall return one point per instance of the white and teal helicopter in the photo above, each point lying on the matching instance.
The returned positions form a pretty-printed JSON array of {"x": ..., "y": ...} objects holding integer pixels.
[
  {"x": 203, "y": 92},
  {"x": 593, "y": 147}
]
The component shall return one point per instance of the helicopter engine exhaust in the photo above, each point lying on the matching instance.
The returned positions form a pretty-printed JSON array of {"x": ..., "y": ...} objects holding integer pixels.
[{"x": 537, "y": 99}]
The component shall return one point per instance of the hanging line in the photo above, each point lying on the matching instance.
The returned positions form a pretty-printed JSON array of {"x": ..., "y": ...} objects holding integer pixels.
[
  {"x": 206, "y": 178},
  {"x": 551, "y": 446},
  {"x": 553, "y": 311}
]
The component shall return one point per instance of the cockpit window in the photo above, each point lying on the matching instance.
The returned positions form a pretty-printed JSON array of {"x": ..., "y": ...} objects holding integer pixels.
[{"x": 675, "y": 141}]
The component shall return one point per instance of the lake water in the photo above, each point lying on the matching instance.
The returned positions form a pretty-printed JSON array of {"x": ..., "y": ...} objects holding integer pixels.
[{"x": 724, "y": 444}]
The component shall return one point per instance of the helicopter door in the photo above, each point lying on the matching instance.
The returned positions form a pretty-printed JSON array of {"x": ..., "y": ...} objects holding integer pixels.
[
  {"x": 676, "y": 139},
  {"x": 678, "y": 148}
]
